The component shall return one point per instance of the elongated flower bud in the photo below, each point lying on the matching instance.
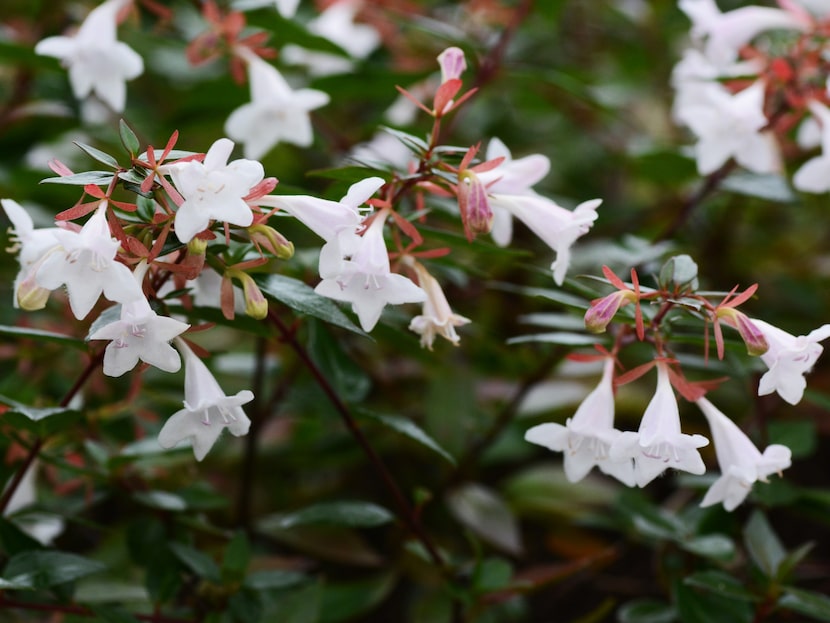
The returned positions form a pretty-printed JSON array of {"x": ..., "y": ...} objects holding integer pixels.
[
  {"x": 452, "y": 64},
  {"x": 256, "y": 305},
  {"x": 753, "y": 337},
  {"x": 602, "y": 311},
  {"x": 272, "y": 240},
  {"x": 474, "y": 205}
]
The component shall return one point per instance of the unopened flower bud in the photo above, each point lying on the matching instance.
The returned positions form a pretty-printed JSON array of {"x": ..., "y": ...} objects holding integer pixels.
[
  {"x": 753, "y": 337},
  {"x": 256, "y": 305},
  {"x": 452, "y": 64},
  {"x": 474, "y": 205},
  {"x": 272, "y": 241},
  {"x": 602, "y": 311},
  {"x": 197, "y": 246}
]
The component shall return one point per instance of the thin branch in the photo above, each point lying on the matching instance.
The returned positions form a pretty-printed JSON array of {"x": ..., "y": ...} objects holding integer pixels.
[
  {"x": 83, "y": 611},
  {"x": 405, "y": 509},
  {"x": 507, "y": 414},
  {"x": 38, "y": 444}
]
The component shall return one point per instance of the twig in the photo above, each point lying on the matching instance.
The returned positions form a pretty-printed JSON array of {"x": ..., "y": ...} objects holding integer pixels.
[
  {"x": 507, "y": 413},
  {"x": 405, "y": 509},
  {"x": 38, "y": 444},
  {"x": 83, "y": 611}
]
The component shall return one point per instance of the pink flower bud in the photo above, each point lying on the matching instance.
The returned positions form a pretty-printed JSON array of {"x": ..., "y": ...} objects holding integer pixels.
[
  {"x": 602, "y": 311},
  {"x": 753, "y": 337},
  {"x": 256, "y": 305},
  {"x": 474, "y": 205},
  {"x": 452, "y": 64}
]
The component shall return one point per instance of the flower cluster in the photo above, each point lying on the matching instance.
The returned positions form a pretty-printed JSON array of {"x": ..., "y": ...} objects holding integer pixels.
[
  {"x": 589, "y": 439},
  {"x": 756, "y": 79}
]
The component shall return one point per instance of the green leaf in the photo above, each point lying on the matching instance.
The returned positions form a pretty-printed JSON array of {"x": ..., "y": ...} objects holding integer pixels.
[
  {"x": 349, "y": 380},
  {"x": 98, "y": 178},
  {"x": 161, "y": 500},
  {"x": 764, "y": 186},
  {"x": 646, "y": 611},
  {"x": 492, "y": 574},
  {"x": 273, "y": 579},
  {"x": 199, "y": 563},
  {"x": 715, "y": 546},
  {"x": 302, "y": 298},
  {"x": 799, "y": 436},
  {"x": 97, "y": 154},
  {"x": 42, "y": 421},
  {"x": 237, "y": 557},
  {"x": 808, "y": 603},
  {"x": 245, "y": 606},
  {"x": 792, "y": 559},
  {"x": 407, "y": 427},
  {"x": 106, "y": 317},
  {"x": 416, "y": 144},
  {"x": 300, "y": 606},
  {"x": 706, "y": 607},
  {"x": 557, "y": 337},
  {"x": 13, "y": 540},
  {"x": 355, "y": 514},
  {"x": 347, "y": 601},
  {"x": 763, "y": 544},
  {"x": 47, "y": 568},
  {"x": 720, "y": 583},
  {"x": 484, "y": 512},
  {"x": 128, "y": 138},
  {"x": 46, "y": 336},
  {"x": 108, "y": 614}
]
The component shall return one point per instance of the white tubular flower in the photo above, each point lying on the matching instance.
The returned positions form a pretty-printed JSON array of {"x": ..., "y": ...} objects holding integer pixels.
[
  {"x": 814, "y": 175},
  {"x": 730, "y": 126},
  {"x": 659, "y": 444},
  {"x": 85, "y": 263},
  {"x": 276, "y": 113},
  {"x": 726, "y": 33},
  {"x": 33, "y": 246},
  {"x": 96, "y": 60},
  {"x": 207, "y": 410},
  {"x": 140, "y": 334},
  {"x": 337, "y": 25},
  {"x": 214, "y": 189},
  {"x": 437, "y": 317},
  {"x": 587, "y": 437},
  {"x": 327, "y": 219},
  {"x": 741, "y": 464},
  {"x": 365, "y": 279},
  {"x": 789, "y": 358}
]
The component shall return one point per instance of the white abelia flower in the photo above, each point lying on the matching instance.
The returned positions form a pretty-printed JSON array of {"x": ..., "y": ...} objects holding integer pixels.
[
  {"x": 276, "y": 113},
  {"x": 140, "y": 334},
  {"x": 364, "y": 278},
  {"x": 658, "y": 444},
  {"x": 337, "y": 25},
  {"x": 741, "y": 463},
  {"x": 510, "y": 192},
  {"x": 730, "y": 126},
  {"x": 32, "y": 245},
  {"x": 207, "y": 410},
  {"x": 96, "y": 60},
  {"x": 814, "y": 175},
  {"x": 789, "y": 358},
  {"x": 85, "y": 263},
  {"x": 587, "y": 437},
  {"x": 437, "y": 317},
  {"x": 214, "y": 189},
  {"x": 726, "y": 33}
]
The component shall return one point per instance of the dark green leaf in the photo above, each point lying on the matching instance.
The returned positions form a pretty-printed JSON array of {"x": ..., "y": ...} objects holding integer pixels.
[
  {"x": 349, "y": 380},
  {"x": 47, "y": 568},
  {"x": 97, "y": 154},
  {"x": 799, "y": 436},
  {"x": 98, "y": 178},
  {"x": 128, "y": 138},
  {"x": 411, "y": 430},
  {"x": 46, "y": 336},
  {"x": 792, "y": 559},
  {"x": 706, "y": 607},
  {"x": 245, "y": 606},
  {"x": 763, "y": 544},
  {"x": 237, "y": 556},
  {"x": 492, "y": 574},
  {"x": 721, "y": 583},
  {"x": 43, "y": 421},
  {"x": 355, "y": 514},
  {"x": 199, "y": 563},
  {"x": 273, "y": 579},
  {"x": 302, "y": 298},
  {"x": 162, "y": 500},
  {"x": 808, "y": 603},
  {"x": 557, "y": 337},
  {"x": 764, "y": 186},
  {"x": 646, "y": 611},
  {"x": 716, "y": 546},
  {"x": 345, "y": 602},
  {"x": 485, "y": 512}
]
